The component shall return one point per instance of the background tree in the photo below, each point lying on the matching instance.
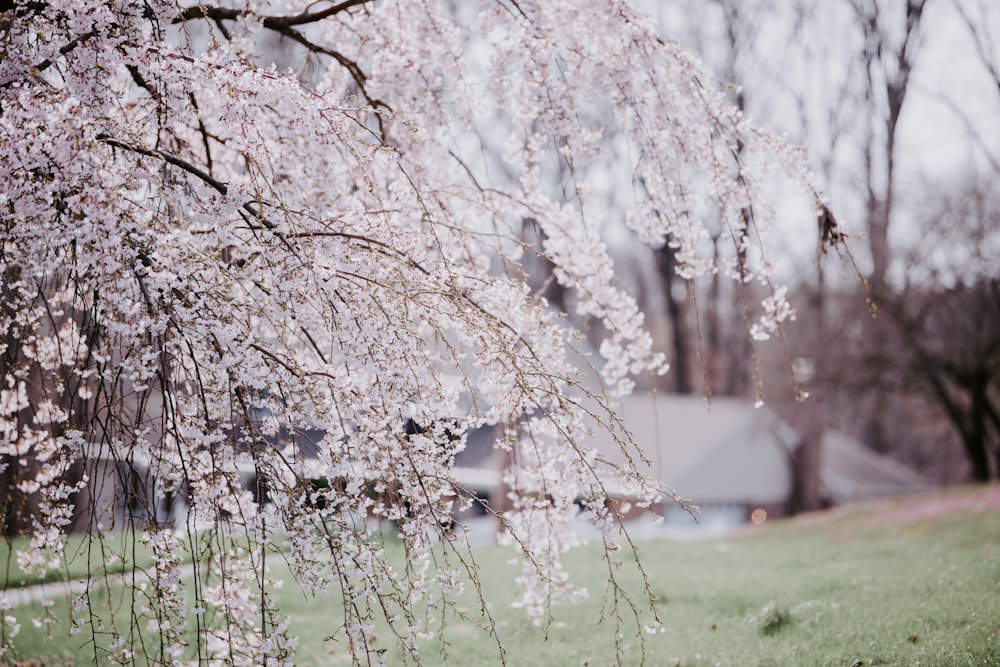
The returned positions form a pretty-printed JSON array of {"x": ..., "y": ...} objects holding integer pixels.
[
  {"x": 893, "y": 366},
  {"x": 214, "y": 265},
  {"x": 934, "y": 349},
  {"x": 873, "y": 87}
]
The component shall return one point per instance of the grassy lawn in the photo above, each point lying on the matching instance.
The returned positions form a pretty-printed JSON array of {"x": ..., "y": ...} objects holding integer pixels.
[
  {"x": 880, "y": 585},
  {"x": 84, "y": 554}
]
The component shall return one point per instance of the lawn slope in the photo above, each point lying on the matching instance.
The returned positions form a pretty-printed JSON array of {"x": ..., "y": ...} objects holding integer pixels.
[{"x": 913, "y": 581}]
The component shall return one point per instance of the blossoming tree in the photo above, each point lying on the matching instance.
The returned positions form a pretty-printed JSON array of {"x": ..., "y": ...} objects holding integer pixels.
[{"x": 211, "y": 264}]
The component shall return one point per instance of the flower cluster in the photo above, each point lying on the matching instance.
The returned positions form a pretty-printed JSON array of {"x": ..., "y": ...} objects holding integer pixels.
[{"x": 227, "y": 287}]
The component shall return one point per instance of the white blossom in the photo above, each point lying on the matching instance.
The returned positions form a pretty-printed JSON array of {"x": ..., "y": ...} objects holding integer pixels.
[{"x": 216, "y": 268}]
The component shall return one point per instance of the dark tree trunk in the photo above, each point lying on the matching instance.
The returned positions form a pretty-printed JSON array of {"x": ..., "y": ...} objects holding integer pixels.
[
  {"x": 806, "y": 462},
  {"x": 979, "y": 427},
  {"x": 975, "y": 452},
  {"x": 672, "y": 283}
]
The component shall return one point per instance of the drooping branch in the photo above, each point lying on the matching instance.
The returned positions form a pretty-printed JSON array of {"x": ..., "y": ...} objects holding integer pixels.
[
  {"x": 284, "y": 26},
  {"x": 249, "y": 208},
  {"x": 170, "y": 158},
  {"x": 271, "y": 22},
  {"x": 66, "y": 49},
  {"x": 357, "y": 74}
]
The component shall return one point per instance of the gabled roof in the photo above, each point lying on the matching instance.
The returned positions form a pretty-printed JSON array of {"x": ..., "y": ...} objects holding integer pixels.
[
  {"x": 749, "y": 463},
  {"x": 850, "y": 471},
  {"x": 723, "y": 452}
]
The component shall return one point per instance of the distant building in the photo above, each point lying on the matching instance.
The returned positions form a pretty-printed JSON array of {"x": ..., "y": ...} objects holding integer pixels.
[
  {"x": 729, "y": 458},
  {"x": 732, "y": 460}
]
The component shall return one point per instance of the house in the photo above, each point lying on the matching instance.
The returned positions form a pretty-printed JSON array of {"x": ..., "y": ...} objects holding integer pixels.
[
  {"x": 733, "y": 460},
  {"x": 728, "y": 457}
]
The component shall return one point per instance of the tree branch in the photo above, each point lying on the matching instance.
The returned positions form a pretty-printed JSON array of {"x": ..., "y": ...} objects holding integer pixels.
[
  {"x": 360, "y": 78},
  {"x": 72, "y": 44},
  {"x": 208, "y": 179},
  {"x": 284, "y": 25},
  {"x": 184, "y": 165},
  {"x": 979, "y": 39},
  {"x": 271, "y": 22}
]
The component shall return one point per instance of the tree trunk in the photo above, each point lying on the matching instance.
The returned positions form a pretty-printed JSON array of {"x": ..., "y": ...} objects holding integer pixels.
[
  {"x": 806, "y": 461},
  {"x": 672, "y": 283},
  {"x": 979, "y": 428}
]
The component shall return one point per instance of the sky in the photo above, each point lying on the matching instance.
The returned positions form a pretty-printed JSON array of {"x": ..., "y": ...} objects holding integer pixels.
[{"x": 950, "y": 91}]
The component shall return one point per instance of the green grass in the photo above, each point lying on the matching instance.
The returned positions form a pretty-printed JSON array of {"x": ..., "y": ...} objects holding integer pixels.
[
  {"x": 851, "y": 587},
  {"x": 85, "y": 554}
]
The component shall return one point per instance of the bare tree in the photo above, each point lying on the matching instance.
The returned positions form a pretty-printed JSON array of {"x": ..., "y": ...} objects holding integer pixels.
[
  {"x": 891, "y": 40},
  {"x": 933, "y": 351}
]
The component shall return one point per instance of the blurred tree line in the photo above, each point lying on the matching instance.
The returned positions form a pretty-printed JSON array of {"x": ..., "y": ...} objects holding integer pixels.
[
  {"x": 898, "y": 337},
  {"x": 908, "y": 359}
]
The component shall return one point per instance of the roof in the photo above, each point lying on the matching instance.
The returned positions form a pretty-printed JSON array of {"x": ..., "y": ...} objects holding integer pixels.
[
  {"x": 725, "y": 451},
  {"x": 850, "y": 471}
]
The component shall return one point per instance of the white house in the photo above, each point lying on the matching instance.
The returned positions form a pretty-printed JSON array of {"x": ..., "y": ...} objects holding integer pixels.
[
  {"x": 732, "y": 460},
  {"x": 728, "y": 457}
]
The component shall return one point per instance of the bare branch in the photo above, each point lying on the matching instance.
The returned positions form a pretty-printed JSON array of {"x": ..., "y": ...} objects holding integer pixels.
[
  {"x": 979, "y": 38},
  {"x": 970, "y": 127}
]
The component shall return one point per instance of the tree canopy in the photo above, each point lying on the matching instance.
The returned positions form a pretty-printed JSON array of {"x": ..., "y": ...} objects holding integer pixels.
[{"x": 214, "y": 264}]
